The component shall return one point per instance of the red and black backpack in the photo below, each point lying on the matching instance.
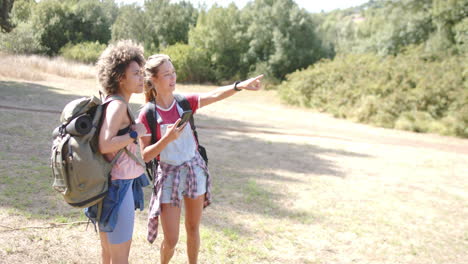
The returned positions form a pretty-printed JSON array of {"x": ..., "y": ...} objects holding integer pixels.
[{"x": 150, "y": 113}]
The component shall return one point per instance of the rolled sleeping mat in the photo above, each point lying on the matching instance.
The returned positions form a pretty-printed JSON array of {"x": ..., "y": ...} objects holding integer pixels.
[
  {"x": 80, "y": 126},
  {"x": 56, "y": 132}
]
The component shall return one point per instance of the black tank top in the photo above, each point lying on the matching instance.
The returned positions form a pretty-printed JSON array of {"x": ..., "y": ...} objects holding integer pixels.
[{"x": 123, "y": 131}]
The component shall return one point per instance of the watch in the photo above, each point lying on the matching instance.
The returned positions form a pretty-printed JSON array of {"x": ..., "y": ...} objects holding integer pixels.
[
  {"x": 133, "y": 134},
  {"x": 235, "y": 86}
]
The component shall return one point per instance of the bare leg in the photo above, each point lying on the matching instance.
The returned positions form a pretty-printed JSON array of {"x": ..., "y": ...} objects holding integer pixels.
[
  {"x": 114, "y": 253},
  {"x": 193, "y": 213},
  {"x": 170, "y": 219},
  {"x": 105, "y": 254}
]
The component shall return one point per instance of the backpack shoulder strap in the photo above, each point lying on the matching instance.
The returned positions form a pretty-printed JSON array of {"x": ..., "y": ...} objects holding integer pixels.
[
  {"x": 107, "y": 100},
  {"x": 150, "y": 113},
  {"x": 120, "y": 98},
  {"x": 184, "y": 103},
  {"x": 134, "y": 157}
]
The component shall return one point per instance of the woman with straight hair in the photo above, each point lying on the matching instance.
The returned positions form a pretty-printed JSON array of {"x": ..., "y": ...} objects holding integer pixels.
[{"x": 182, "y": 174}]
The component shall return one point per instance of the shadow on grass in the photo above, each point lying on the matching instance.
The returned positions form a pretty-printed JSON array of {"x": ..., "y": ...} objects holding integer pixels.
[
  {"x": 237, "y": 163},
  {"x": 240, "y": 165},
  {"x": 26, "y": 178}
]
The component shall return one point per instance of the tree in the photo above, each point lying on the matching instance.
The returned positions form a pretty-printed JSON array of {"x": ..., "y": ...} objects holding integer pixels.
[
  {"x": 446, "y": 14},
  {"x": 22, "y": 10},
  {"x": 5, "y": 23},
  {"x": 280, "y": 34},
  {"x": 51, "y": 20},
  {"x": 129, "y": 24},
  {"x": 61, "y": 22},
  {"x": 23, "y": 38},
  {"x": 383, "y": 26},
  {"x": 90, "y": 22},
  {"x": 110, "y": 10},
  {"x": 167, "y": 23},
  {"x": 218, "y": 32}
]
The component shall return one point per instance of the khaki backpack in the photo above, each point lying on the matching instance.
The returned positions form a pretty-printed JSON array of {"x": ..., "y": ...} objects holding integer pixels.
[{"x": 81, "y": 173}]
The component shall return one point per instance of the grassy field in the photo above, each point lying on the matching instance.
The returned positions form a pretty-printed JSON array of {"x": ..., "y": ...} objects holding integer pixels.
[{"x": 290, "y": 185}]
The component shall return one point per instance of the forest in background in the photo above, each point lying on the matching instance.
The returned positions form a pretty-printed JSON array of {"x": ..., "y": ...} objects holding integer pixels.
[{"x": 392, "y": 63}]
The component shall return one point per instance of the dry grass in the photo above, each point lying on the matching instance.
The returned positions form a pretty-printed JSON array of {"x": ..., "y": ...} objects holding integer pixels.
[
  {"x": 298, "y": 187},
  {"x": 36, "y": 68}
]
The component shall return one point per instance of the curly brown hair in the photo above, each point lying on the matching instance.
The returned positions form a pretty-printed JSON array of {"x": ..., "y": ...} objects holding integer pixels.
[{"x": 113, "y": 62}]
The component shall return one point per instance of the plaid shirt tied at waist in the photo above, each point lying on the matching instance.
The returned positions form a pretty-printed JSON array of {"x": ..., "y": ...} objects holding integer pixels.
[{"x": 164, "y": 170}]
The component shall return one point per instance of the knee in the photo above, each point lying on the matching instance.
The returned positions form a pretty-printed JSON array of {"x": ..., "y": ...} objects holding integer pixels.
[
  {"x": 170, "y": 241},
  {"x": 192, "y": 228},
  {"x": 105, "y": 253}
]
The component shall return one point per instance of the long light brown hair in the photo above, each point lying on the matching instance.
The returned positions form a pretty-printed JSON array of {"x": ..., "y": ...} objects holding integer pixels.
[{"x": 151, "y": 70}]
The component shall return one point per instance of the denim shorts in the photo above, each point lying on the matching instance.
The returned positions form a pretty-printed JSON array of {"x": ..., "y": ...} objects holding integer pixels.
[
  {"x": 183, "y": 188},
  {"x": 123, "y": 230}
]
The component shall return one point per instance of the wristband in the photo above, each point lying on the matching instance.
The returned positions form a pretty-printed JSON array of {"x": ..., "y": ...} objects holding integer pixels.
[
  {"x": 133, "y": 134},
  {"x": 235, "y": 86}
]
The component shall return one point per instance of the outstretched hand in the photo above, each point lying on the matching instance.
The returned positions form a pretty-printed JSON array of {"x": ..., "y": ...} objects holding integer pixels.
[{"x": 252, "y": 84}]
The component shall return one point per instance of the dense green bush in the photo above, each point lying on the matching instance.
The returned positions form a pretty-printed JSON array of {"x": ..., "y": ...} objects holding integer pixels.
[
  {"x": 192, "y": 64},
  {"x": 60, "y": 22},
  {"x": 87, "y": 52},
  {"x": 413, "y": 91},
  {"x": 21, "y": 40},
  {"x": 461, "y": 35}
]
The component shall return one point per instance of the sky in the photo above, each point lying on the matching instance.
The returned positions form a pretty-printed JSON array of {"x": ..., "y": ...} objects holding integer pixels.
[{"x": 309, "y": 5}]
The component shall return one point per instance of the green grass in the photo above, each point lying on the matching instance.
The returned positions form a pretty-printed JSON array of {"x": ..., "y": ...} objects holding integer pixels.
[
  {"x": 231, "y": 247},
  {"x": 255, "y": 193}
]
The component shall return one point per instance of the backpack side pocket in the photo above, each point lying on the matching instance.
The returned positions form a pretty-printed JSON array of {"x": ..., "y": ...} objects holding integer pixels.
[{"x": 58, "y": 164}]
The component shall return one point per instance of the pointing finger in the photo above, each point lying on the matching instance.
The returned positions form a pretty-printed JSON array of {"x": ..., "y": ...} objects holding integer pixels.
[{"x": 259, "y": 77}]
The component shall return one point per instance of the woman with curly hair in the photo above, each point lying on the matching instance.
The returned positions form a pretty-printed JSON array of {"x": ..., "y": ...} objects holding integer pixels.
[
  {"x": 182, "y": 174},
  {"x": 120, "y": 75}
]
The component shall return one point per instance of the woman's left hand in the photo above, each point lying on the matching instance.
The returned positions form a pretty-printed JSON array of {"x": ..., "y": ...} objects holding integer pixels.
[{"x": 253, "y": 84}]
